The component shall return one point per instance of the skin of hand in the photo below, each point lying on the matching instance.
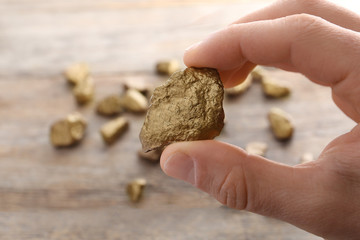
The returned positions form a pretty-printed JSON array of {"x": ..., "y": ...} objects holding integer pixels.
[{"x": 321, "y": 41}]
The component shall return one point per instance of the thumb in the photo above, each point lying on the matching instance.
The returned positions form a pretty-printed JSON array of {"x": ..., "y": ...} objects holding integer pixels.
[{"x": 244, "y": 181}]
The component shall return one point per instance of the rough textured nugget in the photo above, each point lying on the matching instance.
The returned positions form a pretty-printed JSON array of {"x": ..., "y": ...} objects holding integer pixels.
[
  {"x": 239, "y": 89},
  {"x": 135, "y": 189},
  {"x": 274, "y": 89},
  {"x": 110, "y": 105},
  {"x": 134, "y": 101},
  {"x": 167, "y": 67},
  {"x": 257, "y": 74},
  {"x": 68, "y": 131},
  {"x": 256, "y": 148},
  {"x": 112, "y": 130},
  {"x": 84, "y": 91},
  {"x": 77, "y": 73},
  {"x": 189, "y": 106},
  {"x": 281, "y": 124}
]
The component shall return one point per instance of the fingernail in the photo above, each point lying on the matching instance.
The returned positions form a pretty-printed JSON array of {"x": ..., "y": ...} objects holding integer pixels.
[
  {"x": 193, "y": 46},
  {"x": 180, "y": 166}
]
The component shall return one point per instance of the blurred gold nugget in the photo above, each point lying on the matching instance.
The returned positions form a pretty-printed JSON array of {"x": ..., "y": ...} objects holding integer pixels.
[
  {"x": 257, "y": 74},
  {"x": 274, "y": 89},
  {"x": 77, "y": 73},
  {"x": 68, "y": 131},
  {"x": 134, "y": 101},
  {"x": 110, "y": 106},
  {"x": 135, "y": 189},
  {"x": 152, "y": 156},
  {"x": 239, "y": 89},
  {"x": 256, "y": 148},
  {"x": 112, "y": 130},
  {"x": 84, "y": 90},
  {"x": 281, "y": 124},
  {"x": 167, "y": 67}
]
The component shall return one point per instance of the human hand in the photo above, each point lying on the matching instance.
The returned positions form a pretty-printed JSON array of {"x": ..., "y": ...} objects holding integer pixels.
[{"x": 321, "y": 41}]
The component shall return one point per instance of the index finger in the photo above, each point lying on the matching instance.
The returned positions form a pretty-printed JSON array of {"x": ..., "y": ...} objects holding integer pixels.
[{"x": 326, "y": 53}]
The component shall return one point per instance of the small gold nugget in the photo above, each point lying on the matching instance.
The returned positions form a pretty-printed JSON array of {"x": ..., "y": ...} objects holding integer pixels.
[
  {"x": 152, "y": 156},
  {"x": 77, "y": 73},
  {"x": 110, "y": 106},
  {"x": 281, "y": 124},
  {"x": 239, "y": 89},
  {"x": 134, "y": 101},
  {"x": 135, "y": 189},
  {"x": 257, "y": 148},
  {"x": 84, "y": 91},
  {"x": 274, "y": 89},
  {"x": 112, "y": 130},
  {"x": 167, "y": 67},
  {"x": 257, "y": 74},
  {"x": 307, "y": 157},
  {"x": 68, "y": 131}
]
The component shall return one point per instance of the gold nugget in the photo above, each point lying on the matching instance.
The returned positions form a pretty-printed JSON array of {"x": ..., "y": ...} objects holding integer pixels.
[
  {"x": 167, "y": 67},
  {"x": 281, "y": 124},
  {"x": 257, "y": 148},
  {"x": 135, "y": 189},
  {"x": 257, "y": 74},
  {"x": 84, "y": 91},
  {"x": 68, "y": 131},
  {"x": 274, "y": 89},
  {"x": 239, "y": 89},
  {"x": 112, "y": 130},
  {"x": 134, "y": 101},
  {"x": 110, "y": 106},
  {"x": 77, "y": 73},
  {"x": 152, "y": 156}
]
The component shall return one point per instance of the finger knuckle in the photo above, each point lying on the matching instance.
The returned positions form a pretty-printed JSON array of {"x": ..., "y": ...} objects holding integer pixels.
[{"x": 231, "y": 190}]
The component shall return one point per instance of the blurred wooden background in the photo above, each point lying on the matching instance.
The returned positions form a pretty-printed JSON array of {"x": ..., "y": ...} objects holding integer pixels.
[{"x": 78, "y": 193}]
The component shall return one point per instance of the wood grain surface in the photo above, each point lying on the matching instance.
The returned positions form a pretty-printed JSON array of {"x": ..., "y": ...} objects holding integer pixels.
[{"x": 79, "y": 193}]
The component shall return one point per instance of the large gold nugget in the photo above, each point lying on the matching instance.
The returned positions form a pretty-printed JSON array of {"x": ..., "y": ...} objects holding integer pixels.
[
  {"x": 68, "y": 131},
  {"x": 77, "y": 73},
  {"x": 110, "y": 105},
  {"x": 189, "y": 106},
  {"x": 112, "y": 130},
  {"x": 281, "y": 124}
]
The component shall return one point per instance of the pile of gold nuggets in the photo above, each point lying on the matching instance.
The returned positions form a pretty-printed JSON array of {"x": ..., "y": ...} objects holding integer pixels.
[{"x": 71, "y": 130}]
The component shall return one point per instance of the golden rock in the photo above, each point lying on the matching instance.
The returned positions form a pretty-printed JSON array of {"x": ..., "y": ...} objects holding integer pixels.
[
  {"x": 77, "y": 73},
  {"x": 189, "y": 106},
  {"x": 256, "y": 148},
  {"x": 84, "y": 91},
  {"x": 257, "y": 74},
  {"x": 152, "y": 156},
  {"x": 167, "y": 67},
  {"x": 239, "y": 89},
  {"x": 135, "y": 189},
  {"x": 134, "y": 101},
  {"x": 110, "y": 106},
  {"x": 68, "y": 131},
  {"x": 274, "y": 89},
  {"x": 281, "y": 124},
  {"x": 112, "y": 130}
]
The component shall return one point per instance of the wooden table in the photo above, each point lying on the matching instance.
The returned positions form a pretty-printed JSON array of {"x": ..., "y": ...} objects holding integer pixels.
[{"x": 78, "y": 193}]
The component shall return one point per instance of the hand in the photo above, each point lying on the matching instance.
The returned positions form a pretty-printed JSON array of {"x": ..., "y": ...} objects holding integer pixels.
[{"x": 321, "y": 41}]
